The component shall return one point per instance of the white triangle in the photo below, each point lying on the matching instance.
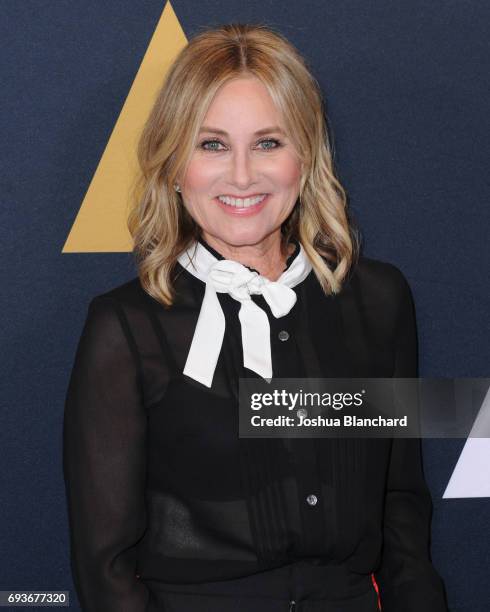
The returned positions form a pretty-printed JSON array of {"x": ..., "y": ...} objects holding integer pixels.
[{"x": 471, "y": 476}]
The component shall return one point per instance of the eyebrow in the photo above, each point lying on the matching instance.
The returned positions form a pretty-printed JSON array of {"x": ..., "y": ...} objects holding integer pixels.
[{"x": 267, "y": 130}]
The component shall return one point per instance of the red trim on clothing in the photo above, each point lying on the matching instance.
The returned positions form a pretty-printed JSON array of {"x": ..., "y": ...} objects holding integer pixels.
[{"x": 376, "y": 588}]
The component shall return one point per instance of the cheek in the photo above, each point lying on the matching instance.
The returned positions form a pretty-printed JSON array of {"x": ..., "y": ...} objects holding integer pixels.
[
  {"x": 288, "y": 173},
  {"x": 199, "y": 177},
  {"x": 197, "y": 187}
]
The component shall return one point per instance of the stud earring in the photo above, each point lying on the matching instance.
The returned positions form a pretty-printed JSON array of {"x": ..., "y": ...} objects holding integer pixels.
[{"x": 177, "y": 188}]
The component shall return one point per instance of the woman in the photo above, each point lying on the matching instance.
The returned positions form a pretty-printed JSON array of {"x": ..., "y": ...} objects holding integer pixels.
[{"x": 247, "y": 267}]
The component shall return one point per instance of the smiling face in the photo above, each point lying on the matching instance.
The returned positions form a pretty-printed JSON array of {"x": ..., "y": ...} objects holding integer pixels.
[{"x": 242, "y": 152}]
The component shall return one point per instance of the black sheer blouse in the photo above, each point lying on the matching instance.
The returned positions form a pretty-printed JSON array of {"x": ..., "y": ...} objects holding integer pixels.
[{"x": 162, "y": 490}]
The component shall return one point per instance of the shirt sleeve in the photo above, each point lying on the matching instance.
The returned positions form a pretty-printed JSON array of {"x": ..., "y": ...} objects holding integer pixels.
[
  {"x": 407, "y": 580},
  {"x": 104, "y": 462}
]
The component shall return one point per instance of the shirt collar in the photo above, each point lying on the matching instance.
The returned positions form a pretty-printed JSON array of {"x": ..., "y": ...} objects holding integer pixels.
[{"x": 240, "y": 282}]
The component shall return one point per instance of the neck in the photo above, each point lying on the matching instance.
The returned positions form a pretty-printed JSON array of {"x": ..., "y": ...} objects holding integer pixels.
[{"x": 267, "y": 256}]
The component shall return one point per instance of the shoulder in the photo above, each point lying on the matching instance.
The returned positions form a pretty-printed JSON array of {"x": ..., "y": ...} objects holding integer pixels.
[
  {"x": 129, "y": 293},
  {"x": 126, "y": 299},
  {"x": 380, "y": 280},
  {"x": 107, "y": 341},
  {"x": 380, "y": 290},
  {"x": 119, "y": 309},
  {"x": 379, "y": 274}
]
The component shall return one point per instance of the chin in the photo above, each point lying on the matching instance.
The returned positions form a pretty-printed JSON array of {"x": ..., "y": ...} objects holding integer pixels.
[{"x": 237, "y": 239}]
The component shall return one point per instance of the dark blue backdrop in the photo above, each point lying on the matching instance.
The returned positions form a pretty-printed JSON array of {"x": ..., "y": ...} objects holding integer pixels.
[{"x": 406, "y": 86}]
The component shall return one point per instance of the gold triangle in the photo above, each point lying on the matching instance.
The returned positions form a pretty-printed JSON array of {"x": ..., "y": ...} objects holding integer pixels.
[{"x": 100, "y": 225}]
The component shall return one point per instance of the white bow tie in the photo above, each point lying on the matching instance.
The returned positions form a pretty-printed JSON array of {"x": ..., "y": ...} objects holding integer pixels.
[{"x": 228, "y": 276}]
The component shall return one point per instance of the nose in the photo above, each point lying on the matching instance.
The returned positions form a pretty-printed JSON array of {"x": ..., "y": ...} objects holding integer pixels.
[{"x": 242, "y": 172}]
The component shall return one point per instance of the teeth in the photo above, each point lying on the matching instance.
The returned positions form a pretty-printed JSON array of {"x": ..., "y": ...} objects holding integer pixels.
[{"x": 239, "y": 202}]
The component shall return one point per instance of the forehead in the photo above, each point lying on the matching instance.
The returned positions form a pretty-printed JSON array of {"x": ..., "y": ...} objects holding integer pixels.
[{"x": 240, "y": 104}]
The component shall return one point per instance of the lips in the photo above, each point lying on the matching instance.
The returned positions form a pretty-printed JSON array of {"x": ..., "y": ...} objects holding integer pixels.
[
  {"x": 240, "y": 197},
  {"x": 243, "y": 210},
  {"x": 242, "y": 202}
]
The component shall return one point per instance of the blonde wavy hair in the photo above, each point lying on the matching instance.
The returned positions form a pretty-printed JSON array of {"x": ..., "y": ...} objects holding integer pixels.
[{"x": 158, "y": 221}]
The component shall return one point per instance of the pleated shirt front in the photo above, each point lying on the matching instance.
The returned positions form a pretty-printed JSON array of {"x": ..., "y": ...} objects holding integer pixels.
[{"x": 161, "y": 488}]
